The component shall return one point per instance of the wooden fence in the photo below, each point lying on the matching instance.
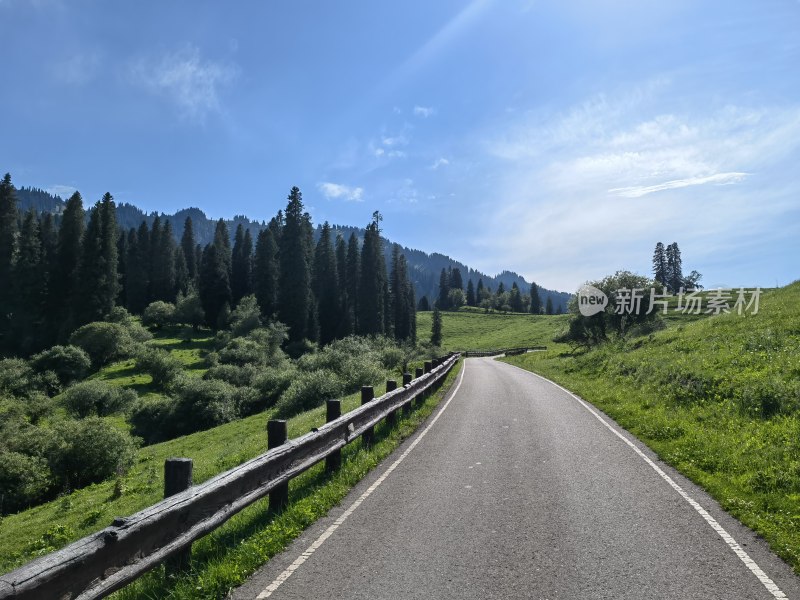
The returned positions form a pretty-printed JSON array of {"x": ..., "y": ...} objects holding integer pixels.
[{"x": 105, "y": 561}]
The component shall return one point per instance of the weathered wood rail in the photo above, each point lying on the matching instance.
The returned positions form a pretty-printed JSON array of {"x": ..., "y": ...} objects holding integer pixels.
[
  {"x": 506, "y": 351},
  {"x": 106, "y": 561}
]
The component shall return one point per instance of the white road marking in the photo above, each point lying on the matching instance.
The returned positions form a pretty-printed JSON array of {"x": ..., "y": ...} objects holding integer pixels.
[
  {"x": 772, "y": 588},
  {"x": 268, "y": 591}
]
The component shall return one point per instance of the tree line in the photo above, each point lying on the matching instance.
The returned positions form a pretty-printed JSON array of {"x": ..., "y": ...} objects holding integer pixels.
[
  {"x": 57, "y": 277},
  {"x": 453, "y": 296}
]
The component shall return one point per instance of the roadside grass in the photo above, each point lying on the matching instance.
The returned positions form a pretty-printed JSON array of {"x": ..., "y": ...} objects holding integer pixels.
[
  {"x": 228, "y": 556},
  {"x": 471, "y": 330},
  {"x": 718, "y": 399}
]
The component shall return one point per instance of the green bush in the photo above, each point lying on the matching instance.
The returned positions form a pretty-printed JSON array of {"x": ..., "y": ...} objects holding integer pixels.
[
  {"x": 233, "y": 374},
  {"x": 137, "y": 332},
  {"x": 103, "y": 342},
  {"x": 161, "y": 365},
  {"x": 158, "y": 314},
  {"x": 96, "y": 398},
  {"x": 153, "y": 419},
  {"x": 16, "y": 377},
  {"x": 189, "y": 310},
  {"x": 274, "y": 381},
  {"x": 309, "y": 390},
  {"x": 246, "y": 317},
  {"x": 69, "y": 363},
  {"x": 89, "y": 451},
  {"x": 202, "y": 404},
  {"x": 24, "y": 480}
]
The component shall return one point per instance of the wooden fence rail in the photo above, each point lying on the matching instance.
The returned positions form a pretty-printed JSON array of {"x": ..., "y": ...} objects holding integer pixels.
[{"x": 106, "y": 561}]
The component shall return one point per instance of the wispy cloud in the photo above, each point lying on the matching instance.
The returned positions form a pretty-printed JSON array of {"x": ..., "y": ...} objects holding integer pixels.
[
  {"x": 192, "y": 83},
  {"x": 339, "y": 191},
  {"x": 439, "y": 162},
  {"x": 64, "y": 191},
  {"x": 639, "y": 191},
  {"x": 396, "y": 140},
  {"x": 424, "y": 111}
]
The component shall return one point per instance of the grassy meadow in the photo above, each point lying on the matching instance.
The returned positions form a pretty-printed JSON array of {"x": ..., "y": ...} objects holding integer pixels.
[
  {"x": 476, "y": 330},
  {"x": 718, "y": 398}
]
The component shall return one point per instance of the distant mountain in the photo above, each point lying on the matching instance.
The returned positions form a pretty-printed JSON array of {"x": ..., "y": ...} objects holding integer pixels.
[{"x": 424, "y": 268}]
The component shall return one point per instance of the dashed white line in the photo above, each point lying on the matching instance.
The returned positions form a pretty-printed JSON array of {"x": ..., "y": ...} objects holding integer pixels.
[
  {"x": 268, "y": 591},
  {"x": 770, "y": 585}
]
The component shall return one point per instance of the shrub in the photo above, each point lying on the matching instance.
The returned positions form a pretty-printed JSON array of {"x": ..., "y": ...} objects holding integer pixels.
[
  {"x": 246, "y": 317},
  {"x": 202, "y": 404},
  {"x": 103, "y": 342},
  {"x": 153, "y": 419},
  {"x": 158, "y": 313},
  {"x": 233, "y": 374},
  {"x": 96, "y": 398},
  {"x": 273, "y": 382},
  {"x": 248, "y": 401},
  {"x": 309, "y": 390},
  {"x": 162, "y": 366},
  {"x": 24, "y": 480},
  {"x": 16, "y": 377},
  {"x": 189, "y": 310},
  {"x": 69, "y": 363},
  {"x": 122, "y": 317},
  {"x": 244, "y": 351},
  {"x": 89, "y": 451}
]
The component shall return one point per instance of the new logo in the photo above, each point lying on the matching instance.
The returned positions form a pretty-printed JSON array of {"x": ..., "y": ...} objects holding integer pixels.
[{"x": 591, "y": 300}]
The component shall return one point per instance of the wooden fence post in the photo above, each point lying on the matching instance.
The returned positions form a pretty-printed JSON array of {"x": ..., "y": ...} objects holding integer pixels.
[
  {"x": 177, "y": 478},
  {"x": 277, "y": 435},
  {"x": 407, "y": 405},
  {"x": 419, "y": 372},
  {"x": 333, "y": 410},
  {"x": 391, "y": 385},
  {"x": 428, "y": 366},
  {"x": 367, "y": 395}
]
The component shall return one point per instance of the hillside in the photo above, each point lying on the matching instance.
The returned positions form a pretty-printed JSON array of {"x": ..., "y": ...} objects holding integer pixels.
[
  {"x": 717, "y": 398},
  {"x": 424, "y": 268}
]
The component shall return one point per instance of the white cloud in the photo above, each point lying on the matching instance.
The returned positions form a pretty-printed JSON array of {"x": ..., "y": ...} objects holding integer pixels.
[
  {"x": 639, "y": 191},
  {"x": 439, "y": 162},
  {"x": 424, "y": 111},
  {"x": 192, "y": 83},
  {"x": 396, "y": 140},
  {"x": 339, "y": 191}
]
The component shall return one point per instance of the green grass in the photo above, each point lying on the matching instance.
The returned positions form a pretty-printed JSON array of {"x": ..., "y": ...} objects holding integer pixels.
[
  {"x": 44, "y": 528},
  {"x": 717, "y": 398},
  {"x": 473, "y": 330}
]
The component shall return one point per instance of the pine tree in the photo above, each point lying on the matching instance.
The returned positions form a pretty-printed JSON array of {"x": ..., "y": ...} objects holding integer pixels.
[
  {"x": 372, "y": 281},
  {"x": 549, "y": 306},
  {"x": 242, "y": 265},
  {"x": 98, "y": 282},
  {"x": 515, "y": 298},
  {"x": 294, "y": 284},
  {"x": 28, "y": 287},
  {"x": 444, "y": 290},
  {"x": 436, "y": 327},
  {"x": 188, "y": 246},
  {"x": 214, "y": 277},
  {"x": 456, "y": 282},
  {"x": 265, "y": 273},
  {"x": 138, "y": 267},
  {"x": 326, "y": 287},
  {"x": 162, "y": 269},
  {"x": 402, "y": 301},
  {"x": 345, "y": 305},
  {"x": 182, "y": 281},
  {"x": 423, "y": 305},
  {"x": 353, "y": 268},
  {"x": 660, "y": 264},
  {"x": 471, "y": 294},
  {"x": 8, "y": 248},
  {"x": 536, "y": 301},
  {"x": 674, "y": 268},
  {"x": 48, "y": 236}
]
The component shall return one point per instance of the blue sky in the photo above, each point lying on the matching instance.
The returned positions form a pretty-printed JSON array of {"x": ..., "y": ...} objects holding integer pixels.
[{"x": 560, "y": 140}]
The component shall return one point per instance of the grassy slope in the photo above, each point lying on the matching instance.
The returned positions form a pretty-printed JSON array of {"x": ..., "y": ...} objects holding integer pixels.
[
  {"x": 700, "y": 394},
  {"x": 478, "y": 331}
]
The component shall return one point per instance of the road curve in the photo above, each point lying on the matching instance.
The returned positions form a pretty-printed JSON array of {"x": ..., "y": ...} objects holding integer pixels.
[{"x": 517, "y": 490}]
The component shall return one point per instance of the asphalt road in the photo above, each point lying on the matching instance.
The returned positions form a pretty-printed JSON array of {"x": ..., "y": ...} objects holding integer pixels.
[{"x": 517, "y": 490}]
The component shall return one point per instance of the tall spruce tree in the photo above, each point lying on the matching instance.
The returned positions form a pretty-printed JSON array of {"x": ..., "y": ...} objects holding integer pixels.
[
  {"x": 265, "y": 273},
  {"x": 549, "y": 306},
  {"x": 214, "y": 276},
  {"x": 436, "y": 327},
  {"x": 98, "y": 282},
  {"x": 660, "y": 264},
  {"x": 242, "y": 264},
  {"x": 456, "y": 281},
  {"x": 188, "y": 246},
  {"x": 674, "y": 267},
  {"x": 353, "y": 268},
  {"x": 444, "y": 290},
  {"x": 326, "y": 287},
  {"x": 471, "y": 301},
  {"x": 294, "y": 284},
  {"x": 515, "y": 298},
  {"x": 162, "y": 267},
  {"x": 139, "y": 258},
  {"x": 372, "y": 281},
  {"x": 402, "y": 298},
  {"x": 536, "y": 301},
  {"x": 28, "y": 286},
  {"x": 345, "y": 311},
  {"x": 9, "y": 217},
  {"x": 182, "y": 281}
]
